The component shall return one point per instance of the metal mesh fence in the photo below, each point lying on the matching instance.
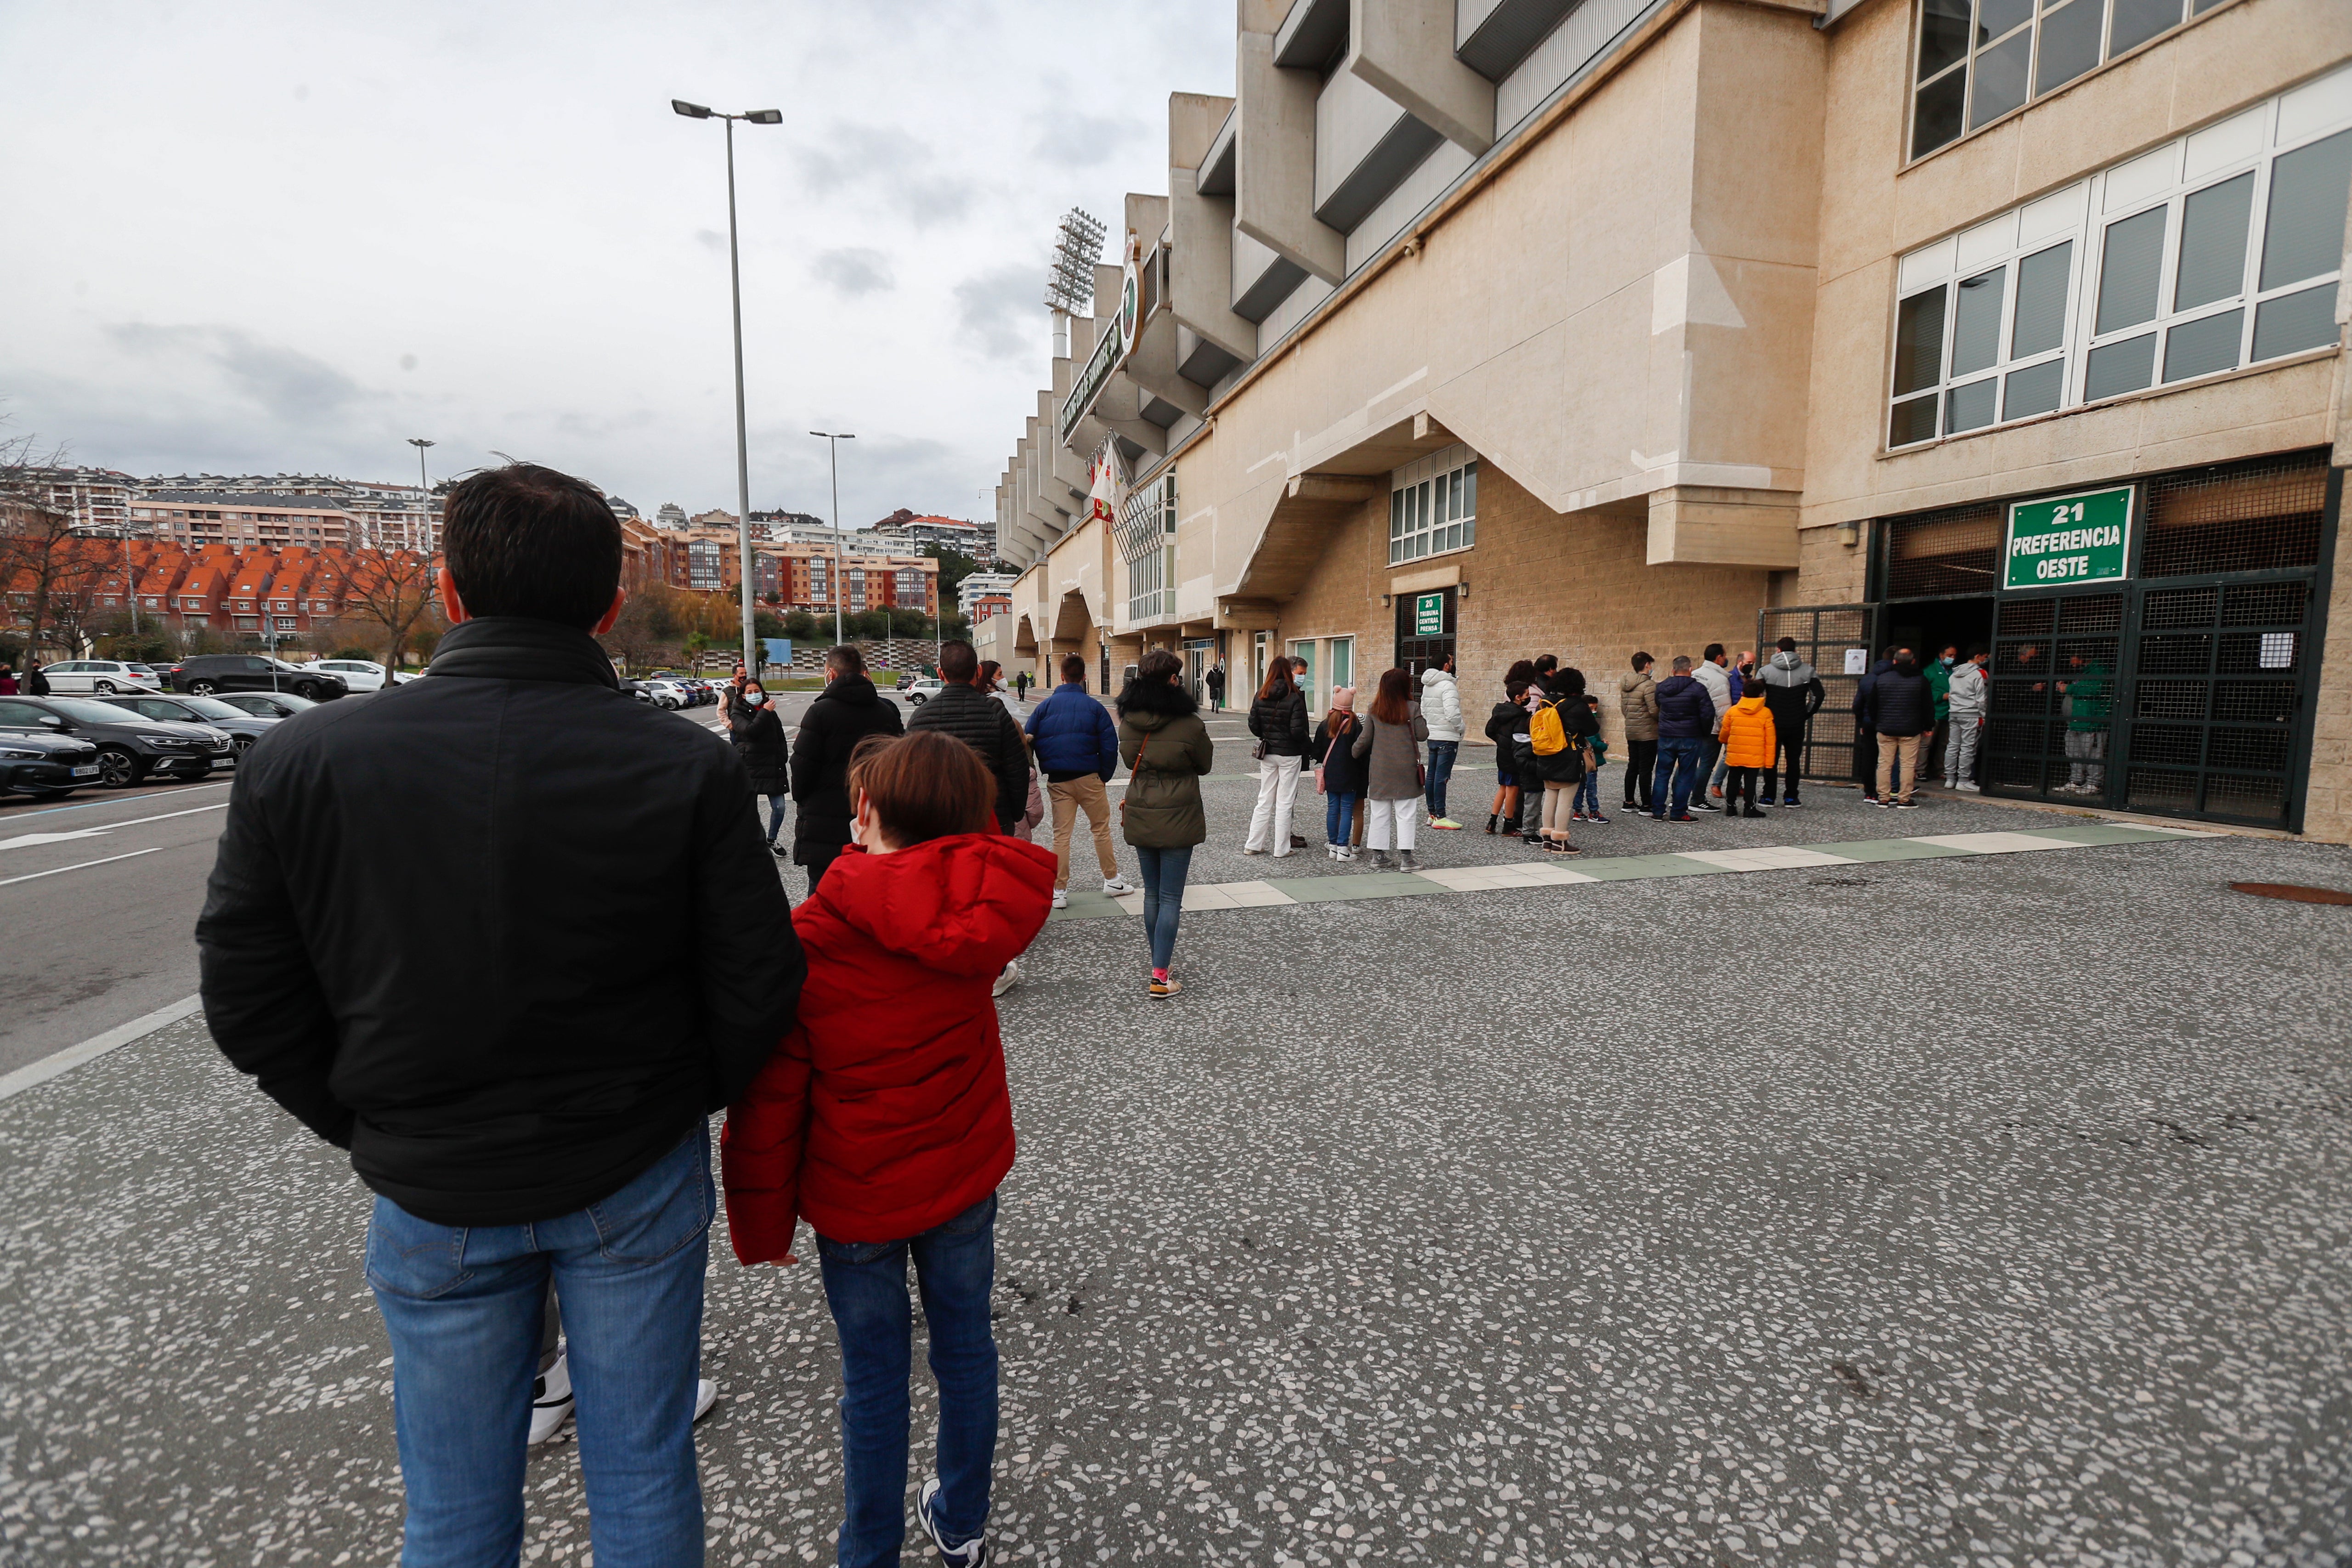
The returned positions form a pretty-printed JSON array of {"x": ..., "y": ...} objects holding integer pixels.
[
  {"x": 1938, "y": 555},
  {"x": 2257, "y": 516}
]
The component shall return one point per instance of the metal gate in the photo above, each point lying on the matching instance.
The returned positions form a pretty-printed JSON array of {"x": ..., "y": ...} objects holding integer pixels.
[
  {"x": 2053, "y": 686},
  {"x": 1824, "y": 634},
  {"x": 2222, "y": 679}
]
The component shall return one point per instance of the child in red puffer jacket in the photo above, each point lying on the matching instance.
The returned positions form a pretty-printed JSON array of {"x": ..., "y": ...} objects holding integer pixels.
[{"x": 883, "y": 1121}]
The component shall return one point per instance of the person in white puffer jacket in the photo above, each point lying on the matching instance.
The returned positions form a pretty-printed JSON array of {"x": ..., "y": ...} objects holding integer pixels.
[
  {"x": 1441, "y": 706},
  {"x": 1971, "y": 702}
]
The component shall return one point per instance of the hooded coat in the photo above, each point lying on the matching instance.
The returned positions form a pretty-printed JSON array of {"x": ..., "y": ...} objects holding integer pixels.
[
  {"x": 1685, "y": 711},
  {"x": 759, "y": 737},
  {"x": 1162, "y": 739},
  {"x": 844, "y": 714},
  {"x": 1968, "y": 690},
  {"x": 1637, "y": 700},
  {"x": 1792, "y": 689},
  {"x": 883, "y": 1111},
  {"x": 1749, "y": 732},
  {"x": 1441, "y": 704}
]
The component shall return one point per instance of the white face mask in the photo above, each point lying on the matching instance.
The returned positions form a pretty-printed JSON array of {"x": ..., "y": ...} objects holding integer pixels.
[{"x": 755, "y": 698}]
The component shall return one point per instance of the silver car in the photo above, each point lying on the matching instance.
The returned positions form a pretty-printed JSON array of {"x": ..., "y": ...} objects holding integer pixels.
[{"x": 100, "y": 678}]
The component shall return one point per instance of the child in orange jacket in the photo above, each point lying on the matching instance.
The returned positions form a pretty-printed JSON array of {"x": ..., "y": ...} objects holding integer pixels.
[{"x": 1747, "y": 745}]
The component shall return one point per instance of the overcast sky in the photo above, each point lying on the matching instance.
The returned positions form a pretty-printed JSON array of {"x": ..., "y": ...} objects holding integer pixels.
[{"x": 248, "y": 237}]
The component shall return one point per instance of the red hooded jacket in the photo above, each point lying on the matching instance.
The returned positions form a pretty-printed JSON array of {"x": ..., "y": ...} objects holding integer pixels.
[{"x": 883, "y": 1111}]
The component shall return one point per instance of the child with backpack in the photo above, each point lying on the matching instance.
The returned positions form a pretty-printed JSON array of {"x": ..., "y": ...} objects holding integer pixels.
[{"x": 1587, "y": 804}]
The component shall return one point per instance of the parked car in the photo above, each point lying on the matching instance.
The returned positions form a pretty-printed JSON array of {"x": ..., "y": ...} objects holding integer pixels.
[
  {"x": 358, "y": 674},
  {"x": 921, "y": 690},
  {"x": 79, "y": 677},
  {"x": 46, "y": 766},
  {"x": 635, "y": 689},
  {"x": 208, "y": 675},
  {"x": 266, "y": 704},
  {"x": 669, "y": 694},
  {"x": 129, "y": 747},
  {"x": 244, "y": 729}
]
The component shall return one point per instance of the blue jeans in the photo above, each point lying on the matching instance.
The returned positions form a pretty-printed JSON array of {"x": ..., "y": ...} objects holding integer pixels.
[
  {"x": 1339, "y": 818},
  {"x": 1163, "y": 898},
  {"x": 463, "y": 1307},
  {"x": 866, "y": 1287},
  {"x": 1681, "y": 759},
  {"x": 1441, "y": 768},
  {"x": 1588, "y": 793},
  {"x": 775, "y": 814}
]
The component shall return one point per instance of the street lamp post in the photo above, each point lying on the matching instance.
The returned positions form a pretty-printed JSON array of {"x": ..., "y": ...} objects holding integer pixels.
[
  {"x": 832, "y": 445},
  {"x": 424, "y": 536},
  {"x": 735, "y": 280}
]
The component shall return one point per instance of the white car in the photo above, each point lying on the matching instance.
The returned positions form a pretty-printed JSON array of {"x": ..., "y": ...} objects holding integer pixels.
[
  {"x": 358, "y": 674},
  {"x": 923, "y": 690},
  {"x": 669, "y": 694},
  {"x": 100, "y": 677}
]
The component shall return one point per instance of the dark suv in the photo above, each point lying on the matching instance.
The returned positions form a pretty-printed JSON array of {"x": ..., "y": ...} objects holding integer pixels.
[
  {"x": 130, "y": 748},
  {"x": 208, "y": 673}
]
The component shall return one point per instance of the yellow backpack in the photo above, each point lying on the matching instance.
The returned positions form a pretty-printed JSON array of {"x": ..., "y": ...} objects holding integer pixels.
[{"x": 1546, "y": 735}]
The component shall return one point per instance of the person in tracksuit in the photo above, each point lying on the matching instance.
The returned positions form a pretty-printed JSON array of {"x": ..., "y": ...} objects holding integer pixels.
[{"x": 1971, "y": 696}]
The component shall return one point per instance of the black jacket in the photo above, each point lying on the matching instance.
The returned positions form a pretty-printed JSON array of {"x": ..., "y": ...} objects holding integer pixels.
[
  {"x": 759, "y": 737},
  {"x": 1507, "y": 720},
  {"x": 848, "y": 710},
  {"x": 424, "y": 932},
  {"x": 1281, "y": 723},
  {"x": 980, "y": 721},
  {"x": 1343, "y": 771},
  {"x": 1902, "y": 703}
]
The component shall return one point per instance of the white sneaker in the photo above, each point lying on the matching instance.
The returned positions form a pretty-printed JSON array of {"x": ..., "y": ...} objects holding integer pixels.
[
  {"x": 1061, "y": 900},
  {"x": 1967, "y": 788},
  {"x": 550, "y": 1401},
  {"x": 971, "y": 1553},
  {"x": 1117, "y": 885},
  {"x": 706, "y": 1395},
  {"x": 1008, "y": 979}
]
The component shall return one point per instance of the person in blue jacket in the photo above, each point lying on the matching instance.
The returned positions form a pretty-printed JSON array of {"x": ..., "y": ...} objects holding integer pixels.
[{"x": 1077, "y": 747}]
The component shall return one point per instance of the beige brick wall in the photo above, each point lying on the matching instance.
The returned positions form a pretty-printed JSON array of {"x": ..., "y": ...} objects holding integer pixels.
[
  {"x": 1578, "y": 586},
  {"x": 1829, "y": 573}
]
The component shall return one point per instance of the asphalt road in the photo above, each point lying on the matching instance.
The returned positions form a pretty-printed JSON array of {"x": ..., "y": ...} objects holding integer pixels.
[{"x": 1987, "y": 1211}]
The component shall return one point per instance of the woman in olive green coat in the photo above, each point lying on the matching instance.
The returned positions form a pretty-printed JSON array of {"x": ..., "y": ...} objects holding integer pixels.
[{"x": 1163, "y": 742}]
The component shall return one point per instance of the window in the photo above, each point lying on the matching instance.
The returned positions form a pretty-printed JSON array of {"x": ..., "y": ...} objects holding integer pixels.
[
  {"x": 1343, "y": 662},
  {"x": 1146, "y": 536},
  {"x": 1434, "y": 505},
  {"x": 1979, "y": 59},
  {"x": 1304, "y": 652},
  {"x": 2220, "y": 249}
]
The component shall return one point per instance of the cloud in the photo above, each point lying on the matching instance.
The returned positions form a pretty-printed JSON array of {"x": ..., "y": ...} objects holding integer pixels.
[
  {"x": 288, "y": 383},
  {"x": 1082, "y": 141},
  {"x": 887, "y": 164},
  {"x": 854, "y": 270},
  {"x": 999, "y": 311}
]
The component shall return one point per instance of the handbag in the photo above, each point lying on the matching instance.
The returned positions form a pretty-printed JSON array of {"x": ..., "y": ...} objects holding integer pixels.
[{"x": 1036, "y": 814}]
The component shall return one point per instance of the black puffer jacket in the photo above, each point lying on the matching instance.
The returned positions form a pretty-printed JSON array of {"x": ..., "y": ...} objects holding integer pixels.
[
  {"x": 1902, "y": 703},
  {"x": 759, "y": 737},
  {"x": 1281, "y": 723},
  {"x": 424, "y": 931},
  {"x": 848, "y": 710},
  {"x": 982, "y": 722}
]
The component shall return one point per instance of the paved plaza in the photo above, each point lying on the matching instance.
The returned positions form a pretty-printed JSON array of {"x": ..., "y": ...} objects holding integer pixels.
[{"x": 1981, "y": 1208}]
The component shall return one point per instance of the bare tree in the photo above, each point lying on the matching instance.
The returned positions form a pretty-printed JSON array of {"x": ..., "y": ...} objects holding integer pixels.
[
  {"x": 46, "y": 571},
  {"x": 390, "y": 591}
]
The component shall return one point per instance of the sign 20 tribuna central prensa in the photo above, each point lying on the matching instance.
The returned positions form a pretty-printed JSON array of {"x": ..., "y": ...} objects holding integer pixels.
[{"x": 2064, "y": 539}]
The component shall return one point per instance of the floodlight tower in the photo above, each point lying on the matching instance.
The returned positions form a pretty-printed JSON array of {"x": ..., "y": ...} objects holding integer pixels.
[{"x": 1070, "y": 277}]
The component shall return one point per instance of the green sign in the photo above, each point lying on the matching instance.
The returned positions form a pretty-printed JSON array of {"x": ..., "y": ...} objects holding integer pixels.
[
  {"x": 1429, "y": 615},
  {"x": 2081, "y": 538}
]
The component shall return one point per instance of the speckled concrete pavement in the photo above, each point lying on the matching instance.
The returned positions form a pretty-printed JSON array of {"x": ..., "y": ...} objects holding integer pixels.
[{"x": 1985, "y": 1211}]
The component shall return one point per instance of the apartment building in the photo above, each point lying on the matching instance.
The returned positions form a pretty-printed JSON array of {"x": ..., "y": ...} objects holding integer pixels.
[
  {"x": 1496, "y": 327},
  {"x": 246, "y": 520},
  {"x": 802, "y": 576},
  {"x": 97, "y": 499}
]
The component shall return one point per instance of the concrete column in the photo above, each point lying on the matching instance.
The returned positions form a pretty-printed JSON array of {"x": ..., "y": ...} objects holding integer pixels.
[
  {"x": 1274, "y": 164},
  {"x": 1201, "y": 266},
  {"x": 1405, "y": 49},
  {"x": 1710, "y": 525}
]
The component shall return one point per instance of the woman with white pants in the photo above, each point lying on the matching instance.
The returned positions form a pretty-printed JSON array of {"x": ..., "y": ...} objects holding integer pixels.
[
  {"x": 1278, "y": 717},
  {"x": 1391, "y": 737}
]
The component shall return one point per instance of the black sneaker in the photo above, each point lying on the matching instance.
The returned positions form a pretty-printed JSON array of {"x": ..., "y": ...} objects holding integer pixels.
[
  {"x": 1792, "y": 804},
  {"x": 971, "y": 1554},
  {"x": 1906, "y": 805},
  {"x": 1702, "y": 806}
]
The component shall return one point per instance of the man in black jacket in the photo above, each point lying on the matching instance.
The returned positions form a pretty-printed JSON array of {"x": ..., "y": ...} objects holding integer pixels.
[
  {"x": 1902, "y": 710},
  {"x": 984, "y": 724},
  {"x": 1793, "y": 694},
  {"x": 423, "y": 937},
  {"x": 847, "y": 712}
]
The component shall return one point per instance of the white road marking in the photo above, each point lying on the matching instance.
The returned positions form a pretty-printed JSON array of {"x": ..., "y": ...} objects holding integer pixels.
[
  {"x": 72, "y": 1057},
  {"x": 30, "y": 839},
  {"x": 84, "y": 866}
]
